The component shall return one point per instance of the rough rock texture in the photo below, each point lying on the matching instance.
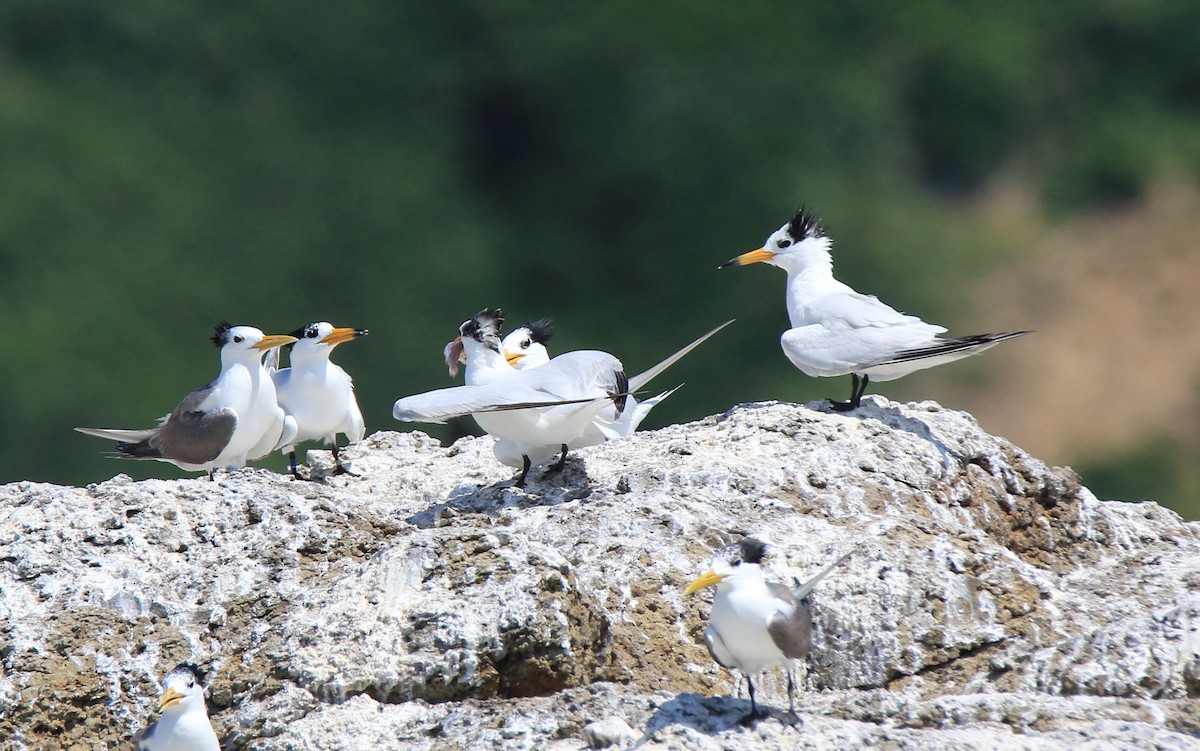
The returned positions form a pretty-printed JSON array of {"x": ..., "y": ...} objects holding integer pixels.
[{"x": 991, "y": 601}]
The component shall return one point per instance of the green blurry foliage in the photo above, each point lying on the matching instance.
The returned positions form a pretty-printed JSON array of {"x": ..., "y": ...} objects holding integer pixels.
[{"x": 399, "y": 166}]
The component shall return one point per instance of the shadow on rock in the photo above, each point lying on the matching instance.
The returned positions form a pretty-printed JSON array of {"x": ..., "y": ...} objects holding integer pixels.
[
  {"x": 547, "y": 488},
  {"x": 704, "y": 714}
]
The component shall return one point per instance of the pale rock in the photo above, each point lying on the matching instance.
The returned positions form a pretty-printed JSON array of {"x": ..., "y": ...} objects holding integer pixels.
[{"x": 424, "y": 603}]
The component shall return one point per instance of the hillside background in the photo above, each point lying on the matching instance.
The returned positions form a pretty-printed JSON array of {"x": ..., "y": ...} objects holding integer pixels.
[{"x": 398, "y": 166}]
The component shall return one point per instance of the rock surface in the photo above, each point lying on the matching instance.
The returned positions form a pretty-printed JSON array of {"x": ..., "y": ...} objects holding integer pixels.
[{"x": 990, "y": 602}]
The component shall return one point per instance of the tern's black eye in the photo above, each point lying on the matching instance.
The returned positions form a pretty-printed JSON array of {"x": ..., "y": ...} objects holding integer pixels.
[
  {"x": 311, "y": 333},
  {"x": 191, "y": 684},
  {"x": 526, "y": 343},
  {"x": 737, "y": 563},
  {"x": 783, "y": 243},
  {"x": 238, "y": 339}
]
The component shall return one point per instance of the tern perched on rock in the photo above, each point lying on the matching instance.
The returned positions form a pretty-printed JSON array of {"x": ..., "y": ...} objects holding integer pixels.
[
  {"x": 184, "y": 724},
  {"x": 756, "y": 624},
  {"x": 232, "y": 420},
  {"x": 544, "y": 407},
  {"x": 525, "y": 347},
  {"x": 541, "y": 410},
  {"x": 317, "y": 394},
  {"x": 837, "y": 331}
]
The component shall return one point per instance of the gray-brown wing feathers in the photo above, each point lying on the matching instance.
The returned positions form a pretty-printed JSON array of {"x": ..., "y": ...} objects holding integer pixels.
[
  {"x": 791, "y": 630},
  {"x": 192, "y": 435},
  {"x": 141, "y": 737}
]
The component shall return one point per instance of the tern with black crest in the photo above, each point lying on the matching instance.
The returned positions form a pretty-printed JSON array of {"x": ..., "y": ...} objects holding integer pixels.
[
  {"x": 541, "y": 410},
  {"x": 232, "y": 420},
  {"x": 525, "y": 347},
  {"x": 183, "y": 724},
  {"x": 837, "y": 331},
  {"x": 317, "y": 394},
  {"x": 756, "y": 624}
]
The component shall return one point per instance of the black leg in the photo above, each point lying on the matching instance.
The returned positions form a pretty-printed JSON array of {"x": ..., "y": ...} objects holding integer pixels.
[
  {"x": 857, "y": 389},
  {"x": 562, "y": 461},
  {"x": 754, "y": 715},
  {"x": 520, "y": 483},
  {"x": 292, "y": 466},
  {"x": 338, "y": 469}
]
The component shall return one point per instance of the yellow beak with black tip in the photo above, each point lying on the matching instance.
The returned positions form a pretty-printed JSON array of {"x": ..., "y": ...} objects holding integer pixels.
[
  {"x": 169, "y": 699},
  {"x": 760, "y": 255},
  {"x": 271, "y": 342},
  {"x": 514, "y": 357},
  {"x": 707, "y": 579},
  {"x": 337, "y": 336}
]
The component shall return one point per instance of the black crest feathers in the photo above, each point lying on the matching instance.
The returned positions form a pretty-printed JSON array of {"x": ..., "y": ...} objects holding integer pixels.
[
  {"x": 805, "y": 224},
  {"x": 484, "y": 325},
  {"x": 221, "y": 333},
  {"x": 541, "y": 330},
  {"x": 191, "y": 668},
  {"x": 752, "y": 550}
]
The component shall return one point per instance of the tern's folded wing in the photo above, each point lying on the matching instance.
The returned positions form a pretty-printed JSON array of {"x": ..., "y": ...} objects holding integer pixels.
[{"x": 859, "y": 311}]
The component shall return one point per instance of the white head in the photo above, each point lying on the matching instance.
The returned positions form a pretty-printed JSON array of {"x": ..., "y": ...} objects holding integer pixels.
[
  {"x": 245, "y": 343},
  {"x": 733, "y": 565},
  {"x": 183, "y": 691},
  {"x": 525, "y": 347},
  {"x": 317, "y": 340},
  {"x": 794, "y": 247}
]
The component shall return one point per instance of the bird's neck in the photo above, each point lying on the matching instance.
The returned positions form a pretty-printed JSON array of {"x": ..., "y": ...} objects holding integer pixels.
[{"x": 484, "y": 363}]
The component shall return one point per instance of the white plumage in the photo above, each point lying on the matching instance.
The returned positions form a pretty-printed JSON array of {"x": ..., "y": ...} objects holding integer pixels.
[{"x": 837, "y": 331}]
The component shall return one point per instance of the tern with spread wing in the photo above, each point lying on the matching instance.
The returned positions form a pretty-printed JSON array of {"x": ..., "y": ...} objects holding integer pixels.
[
  {"x": 184, "y": 724},
  {"x": 525, "y": 347},
  {"x": 540, "y": 410},
  {"x": 232, "y": 420},
  {"x": 317, "y": 394},
  {"x": 547, "y": 406},
  {"x": 837, "y": 331},
  {"x": 756, "y": 624}
]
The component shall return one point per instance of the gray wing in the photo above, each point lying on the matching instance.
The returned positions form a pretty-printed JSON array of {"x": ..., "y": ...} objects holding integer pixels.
[
  {"x": 141, "y": 739},
  {"x": 791, "y": 630},
  {"x": 194, "y": 435}
]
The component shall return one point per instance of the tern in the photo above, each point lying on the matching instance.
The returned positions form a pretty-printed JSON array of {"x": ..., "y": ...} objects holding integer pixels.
[
  {"x": 317, "y": 394},
  {"x": 234, "y": 419},
  {"x": 756, "y": 624},
  {"x": 541, "y": 410},
  {"x": 184, "y": 724},
  {"x": 549, "y": 406},
  {"x": 524, "y": 348},
  {"x": 837, "y": 331}
]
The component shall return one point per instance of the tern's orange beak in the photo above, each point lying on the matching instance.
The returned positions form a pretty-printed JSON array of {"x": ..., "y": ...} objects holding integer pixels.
[
  {"x": 271, "y": 342},
  {"x": 707, "y": 579},
  {"x": 169, "y": 699},
  {"x": 745, "y": 259},
  {"x": 337, "y": 336},
  {"x": 514, "y": 357}
]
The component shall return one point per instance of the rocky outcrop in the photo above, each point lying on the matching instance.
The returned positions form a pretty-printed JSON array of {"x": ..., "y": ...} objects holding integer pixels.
[{"x": 424, "y": 603}]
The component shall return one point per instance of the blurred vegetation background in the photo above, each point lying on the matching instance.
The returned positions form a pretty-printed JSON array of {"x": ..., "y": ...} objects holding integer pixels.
[{"x": 398, "y": 166}]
